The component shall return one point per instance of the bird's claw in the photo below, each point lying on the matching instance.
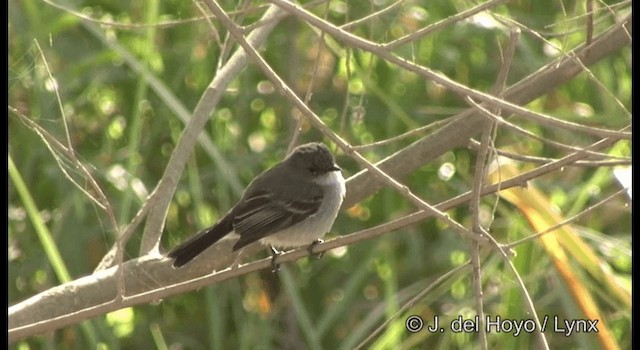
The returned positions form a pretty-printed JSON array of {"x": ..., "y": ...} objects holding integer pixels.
[
  {"x": 310, "y": 249},
  {"x": 275, "y": 267}
]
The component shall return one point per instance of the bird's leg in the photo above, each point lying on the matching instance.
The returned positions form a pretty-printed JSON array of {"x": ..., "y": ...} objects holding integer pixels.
[
  {"x": 275, "y": 253},
  {"x": 313, "y": 244},
  {"x": 237, "y": 260}
]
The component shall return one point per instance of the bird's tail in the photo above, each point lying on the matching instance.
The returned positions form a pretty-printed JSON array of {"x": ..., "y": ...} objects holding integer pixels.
[{"x": 195, "y": 245}]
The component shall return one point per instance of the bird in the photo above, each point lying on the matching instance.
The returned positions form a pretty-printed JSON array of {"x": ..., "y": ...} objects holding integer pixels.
[{"x": 292, "y": 204}]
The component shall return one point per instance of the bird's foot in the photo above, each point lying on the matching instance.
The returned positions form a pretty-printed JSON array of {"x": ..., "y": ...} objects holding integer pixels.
[
  {"x": 310, "y": 249},
  {"x": 275, "y": 267}
]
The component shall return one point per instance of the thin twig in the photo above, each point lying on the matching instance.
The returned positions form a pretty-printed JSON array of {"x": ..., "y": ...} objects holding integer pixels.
[
  {"x": 309, "y": 93},
  {"x": 441, "y": 24},
  {"x": 513, "y": 127},
  {"x": 473, "y": 144},
  {"x": 373, "y": 15},
  {"x": 571, "y": 55},
  {"x": 435, "y": 125},
  {"x": 535, "y": 236},
  {"x": 448, "y": 275},
  {"x": 488, "y": 134}
]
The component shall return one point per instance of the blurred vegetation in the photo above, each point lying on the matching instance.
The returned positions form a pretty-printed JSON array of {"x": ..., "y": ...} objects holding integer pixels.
[{"x": 122, "y": 128}]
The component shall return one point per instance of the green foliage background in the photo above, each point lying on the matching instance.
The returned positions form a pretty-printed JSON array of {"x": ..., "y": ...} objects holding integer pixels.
[{"x": 121, "y": 127}]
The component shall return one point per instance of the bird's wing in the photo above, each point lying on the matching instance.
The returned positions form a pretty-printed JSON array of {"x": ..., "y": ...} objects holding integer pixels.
[{"x": 263, "y": 214}]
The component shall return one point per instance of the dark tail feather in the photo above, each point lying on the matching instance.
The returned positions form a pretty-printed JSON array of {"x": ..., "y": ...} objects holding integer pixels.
[{"x": 195, "y": 245}]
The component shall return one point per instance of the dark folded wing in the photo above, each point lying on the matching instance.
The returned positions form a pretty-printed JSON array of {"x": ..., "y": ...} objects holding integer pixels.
[{"x": 263, "y": 214}]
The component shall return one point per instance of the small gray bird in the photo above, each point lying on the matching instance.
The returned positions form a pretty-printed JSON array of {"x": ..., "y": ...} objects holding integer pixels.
[{"x": 292, "y": 204}]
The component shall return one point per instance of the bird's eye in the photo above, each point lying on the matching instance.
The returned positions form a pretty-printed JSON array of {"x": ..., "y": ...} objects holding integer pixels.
[{"x": 313, "y": 170}]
